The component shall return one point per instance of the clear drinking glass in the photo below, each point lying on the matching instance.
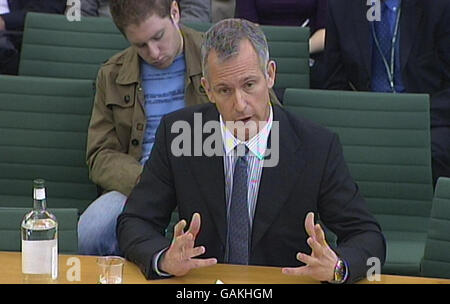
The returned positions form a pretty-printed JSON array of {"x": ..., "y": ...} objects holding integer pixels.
[{"x": 110, "y": 269}]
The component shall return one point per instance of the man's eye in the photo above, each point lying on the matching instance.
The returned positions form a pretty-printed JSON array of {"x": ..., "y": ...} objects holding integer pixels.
[
  {"x": 159, "y": 37},
  {"x": 250, "y": 84},
  {"x": 224, "y": 91}
]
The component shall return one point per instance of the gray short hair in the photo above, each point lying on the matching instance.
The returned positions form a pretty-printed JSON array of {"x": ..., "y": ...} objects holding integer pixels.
[{"x": 225, "y": 36}]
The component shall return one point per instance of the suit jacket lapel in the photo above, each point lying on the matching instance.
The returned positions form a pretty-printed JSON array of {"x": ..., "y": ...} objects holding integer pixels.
[
  {"x": 277, "y": 182},
  {"x": 363, "y": 33},
  {"x": 409, "y": 24},
  {"x": 208, "y": 171}
]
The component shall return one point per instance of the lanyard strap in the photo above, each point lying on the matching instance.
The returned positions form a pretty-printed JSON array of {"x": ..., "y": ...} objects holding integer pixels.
[{"x": 389, "y": 67}]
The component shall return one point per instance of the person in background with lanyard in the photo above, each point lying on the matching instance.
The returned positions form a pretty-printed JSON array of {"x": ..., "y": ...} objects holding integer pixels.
[{"x": 403, "y": 48}]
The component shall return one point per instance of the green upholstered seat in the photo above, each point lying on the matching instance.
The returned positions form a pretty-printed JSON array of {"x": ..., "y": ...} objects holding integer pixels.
[
  {"x": 386, "y": 143},
  {"x": 436, "y": 261},
  {"x": 54, "y": 47},
  {"x": 10, "y": 223},
  {"x": 43, "y": 129},
  {"x": 289, "y": 48},
  {"x": 405, "y": 251}
]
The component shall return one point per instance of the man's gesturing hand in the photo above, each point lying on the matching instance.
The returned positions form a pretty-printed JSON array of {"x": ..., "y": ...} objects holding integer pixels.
[
  {"x": 320, "y": 264},
  {"x": 179, "y": 259}
]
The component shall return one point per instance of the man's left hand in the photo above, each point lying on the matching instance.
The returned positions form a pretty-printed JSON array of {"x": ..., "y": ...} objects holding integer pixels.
[{"x": 322, "y": 261}]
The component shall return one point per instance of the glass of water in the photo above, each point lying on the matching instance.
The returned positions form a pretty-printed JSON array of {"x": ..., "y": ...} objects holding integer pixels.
[{"x": 110, "y": 269}]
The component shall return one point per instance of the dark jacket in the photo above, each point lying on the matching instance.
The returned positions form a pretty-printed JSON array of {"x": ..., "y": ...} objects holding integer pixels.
[{"x": 311, "y": 176}]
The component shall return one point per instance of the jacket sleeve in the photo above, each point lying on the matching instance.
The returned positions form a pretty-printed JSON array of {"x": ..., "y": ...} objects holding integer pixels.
[
  {"x": 335, "y": 76},
  {"x": 15, "y": 20},
  {"x": 110, "y": 166},
  {"x": 344, "y": 211},
  {"x": 141, "y": 226}
]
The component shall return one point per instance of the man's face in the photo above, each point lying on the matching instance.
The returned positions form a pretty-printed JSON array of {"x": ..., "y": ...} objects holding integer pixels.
[
  {"x": 157, "y": 40},
  {"x": 240, "y": 89}
]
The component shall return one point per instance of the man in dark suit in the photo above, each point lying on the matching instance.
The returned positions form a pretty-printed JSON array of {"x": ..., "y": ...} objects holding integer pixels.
[
  {"x": 361, "y": 39},
  {"x": 12, "y": 20},
  {"x": 243, "y": 207}
]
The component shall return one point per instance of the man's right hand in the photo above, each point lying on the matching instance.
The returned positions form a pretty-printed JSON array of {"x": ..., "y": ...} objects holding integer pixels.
[{"x": 179, "y": 259}]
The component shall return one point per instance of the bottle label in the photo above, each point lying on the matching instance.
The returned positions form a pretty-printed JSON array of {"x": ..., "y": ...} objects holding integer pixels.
[
  {"x": 40, "y": 257},
  {"x": 39, "y": 194}
]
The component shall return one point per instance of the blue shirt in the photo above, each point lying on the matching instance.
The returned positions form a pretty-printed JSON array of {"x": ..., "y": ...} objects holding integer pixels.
[
  {"x": 380, "y": 79},
  {"x": 164, "y": 93}
]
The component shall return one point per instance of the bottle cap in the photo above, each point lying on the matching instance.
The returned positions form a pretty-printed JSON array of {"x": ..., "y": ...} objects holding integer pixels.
[{"x": 39, "y": 189}]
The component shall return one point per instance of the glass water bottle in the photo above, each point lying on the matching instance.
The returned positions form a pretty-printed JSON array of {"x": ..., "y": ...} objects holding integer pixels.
[{"x": 39, "y": 239}]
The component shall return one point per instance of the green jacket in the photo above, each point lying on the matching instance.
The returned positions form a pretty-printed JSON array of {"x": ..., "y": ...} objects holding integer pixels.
[{"x": 118, "y": 121}]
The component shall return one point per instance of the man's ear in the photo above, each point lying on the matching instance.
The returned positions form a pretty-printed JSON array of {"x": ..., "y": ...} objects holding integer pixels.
[
  {"x": 271, "y": 71},
  {"x": 175, "y": 12},
  {"x": 206, "y": 86}
]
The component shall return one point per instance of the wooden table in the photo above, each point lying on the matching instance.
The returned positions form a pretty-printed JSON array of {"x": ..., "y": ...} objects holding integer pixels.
[{"x": 11, "y": 265}]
